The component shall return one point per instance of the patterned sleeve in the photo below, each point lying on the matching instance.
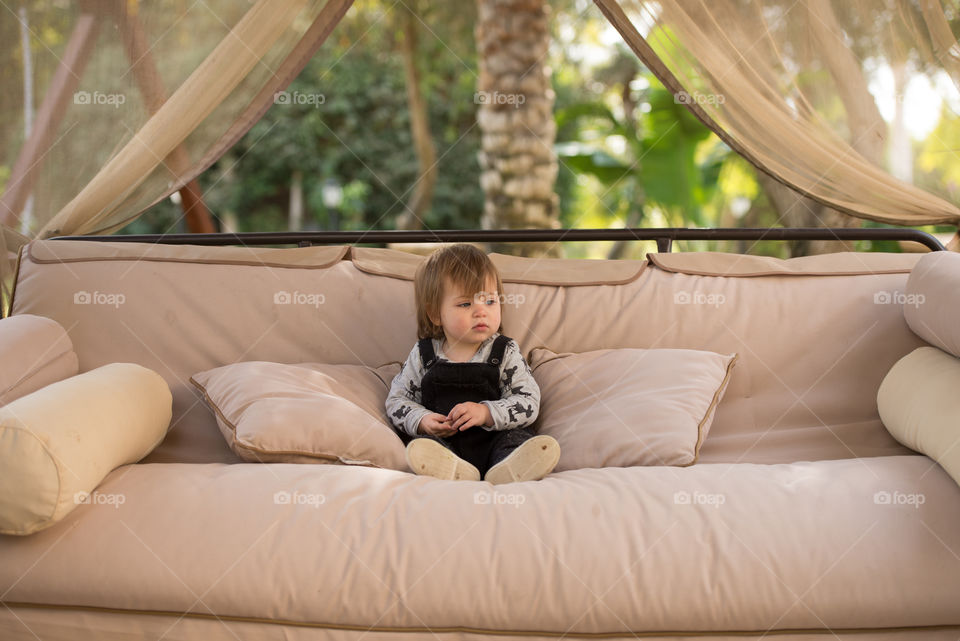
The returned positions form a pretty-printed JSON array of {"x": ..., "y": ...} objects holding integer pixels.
[
  {"x": 520, "y": 395},
  {"x": 403, "y": 403}
]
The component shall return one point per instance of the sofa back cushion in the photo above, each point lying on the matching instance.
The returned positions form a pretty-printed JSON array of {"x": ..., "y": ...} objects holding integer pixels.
[
  {"x": 931, "y": 302},
  {"x": 34, "y": 352},
  {"x": 815, "y": 335}
]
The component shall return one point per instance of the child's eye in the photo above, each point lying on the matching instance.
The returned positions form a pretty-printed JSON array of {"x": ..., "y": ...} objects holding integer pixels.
[{"x": 463, "y": 305}]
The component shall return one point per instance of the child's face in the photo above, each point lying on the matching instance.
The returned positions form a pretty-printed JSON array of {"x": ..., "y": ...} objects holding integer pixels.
[{"x": 468, "y": 319}]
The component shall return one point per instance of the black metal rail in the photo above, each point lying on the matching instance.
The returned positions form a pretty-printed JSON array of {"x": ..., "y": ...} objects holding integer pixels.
[{"x": 664, "y": 236}]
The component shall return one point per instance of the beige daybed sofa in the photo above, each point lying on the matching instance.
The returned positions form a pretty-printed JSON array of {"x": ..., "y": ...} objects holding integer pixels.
[{"x": 800, "y": 546}]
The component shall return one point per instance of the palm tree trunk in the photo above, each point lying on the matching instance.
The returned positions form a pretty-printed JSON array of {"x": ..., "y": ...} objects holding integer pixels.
[{"x": 515, "y": 114}]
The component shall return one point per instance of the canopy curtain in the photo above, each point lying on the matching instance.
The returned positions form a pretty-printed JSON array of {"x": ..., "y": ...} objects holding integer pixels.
[
  {"x": 785, "y": 84},
  {"x": 115, "y": 143}
]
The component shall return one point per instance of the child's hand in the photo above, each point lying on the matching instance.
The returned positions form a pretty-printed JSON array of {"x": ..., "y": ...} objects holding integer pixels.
[
  {"x": 436, "y": 425},
  {"x": 466, "y": 415}
]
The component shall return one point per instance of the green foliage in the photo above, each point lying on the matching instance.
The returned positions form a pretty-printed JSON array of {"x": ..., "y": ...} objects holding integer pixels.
[
  {"x": 352, "y": 124},
  {"x": 659, "y": 164}
]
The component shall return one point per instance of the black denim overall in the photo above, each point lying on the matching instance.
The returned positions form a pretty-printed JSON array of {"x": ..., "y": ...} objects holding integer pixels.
[{"x": 445, "y": 384}]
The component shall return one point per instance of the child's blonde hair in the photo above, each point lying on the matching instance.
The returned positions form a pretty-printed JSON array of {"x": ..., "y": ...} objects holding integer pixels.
[{"x": 465, "y": 266}]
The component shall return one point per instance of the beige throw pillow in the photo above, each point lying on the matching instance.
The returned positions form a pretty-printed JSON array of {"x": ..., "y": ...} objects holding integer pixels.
[
  {"x": 58, "y": 443},
  {"x": 304, "y": 413},
  {"x": 919, "y": 404},
  {"x": 625, "y": 407}
]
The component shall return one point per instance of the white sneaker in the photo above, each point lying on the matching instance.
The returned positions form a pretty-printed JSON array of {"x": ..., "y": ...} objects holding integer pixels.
[
  {"x": 532, "y": 460},
  {"x": 427, "y": 457}
]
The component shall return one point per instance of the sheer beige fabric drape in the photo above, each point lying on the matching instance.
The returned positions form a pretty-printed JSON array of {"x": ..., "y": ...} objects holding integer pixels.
[
  {"x": 785, "y": 84},
  {"x": 118, "y": 150}
]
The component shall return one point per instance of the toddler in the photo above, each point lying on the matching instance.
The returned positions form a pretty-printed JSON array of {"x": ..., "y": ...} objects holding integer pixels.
[{"x": 465, "y": 396}]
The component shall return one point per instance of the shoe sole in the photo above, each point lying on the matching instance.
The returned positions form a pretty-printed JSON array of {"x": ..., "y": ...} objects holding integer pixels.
[
  {"x": 531, "y": 461},
  {"x": 429, "y": 458}
]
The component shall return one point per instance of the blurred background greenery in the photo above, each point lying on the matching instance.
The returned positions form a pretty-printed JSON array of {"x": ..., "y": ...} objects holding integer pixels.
[{"x": 628, "y": 153}]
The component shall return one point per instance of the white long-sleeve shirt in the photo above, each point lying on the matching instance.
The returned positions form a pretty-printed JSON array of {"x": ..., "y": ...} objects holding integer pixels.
[{"x": 519, "y": 401}]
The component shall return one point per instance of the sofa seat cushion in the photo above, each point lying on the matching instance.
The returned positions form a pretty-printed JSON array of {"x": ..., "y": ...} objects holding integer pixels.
[
  {"x": 709, "y": 547},
  {"x": 59, "y": 442},
  {"x": 34, "y": 352},
  {"x": 305, "y": 413},
  {"x": 620, "y": 407}
]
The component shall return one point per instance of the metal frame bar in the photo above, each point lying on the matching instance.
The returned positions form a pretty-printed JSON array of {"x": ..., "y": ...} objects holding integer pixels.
[{"x": 664, "y": 236}]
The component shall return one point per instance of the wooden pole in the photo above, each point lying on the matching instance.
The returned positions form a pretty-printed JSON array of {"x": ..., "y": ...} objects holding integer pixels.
[
  {"x": 23, "y": 177},
  {"x": 150, "y": 83}
]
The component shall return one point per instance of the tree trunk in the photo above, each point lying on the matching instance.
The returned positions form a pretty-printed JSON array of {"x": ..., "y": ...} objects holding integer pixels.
[
  {"x": 295, "y": 212},
  {"x": 515, "y": 114},
  {"x": 419, "y": 203}
]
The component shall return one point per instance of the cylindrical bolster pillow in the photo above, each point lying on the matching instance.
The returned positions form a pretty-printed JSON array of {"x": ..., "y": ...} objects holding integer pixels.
[
  {"x": 34, "y": 352},
  {"x": 919, "y": 404},
  {"x": 58, "y": 443},
  {"x": 932, "y": 301}
]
